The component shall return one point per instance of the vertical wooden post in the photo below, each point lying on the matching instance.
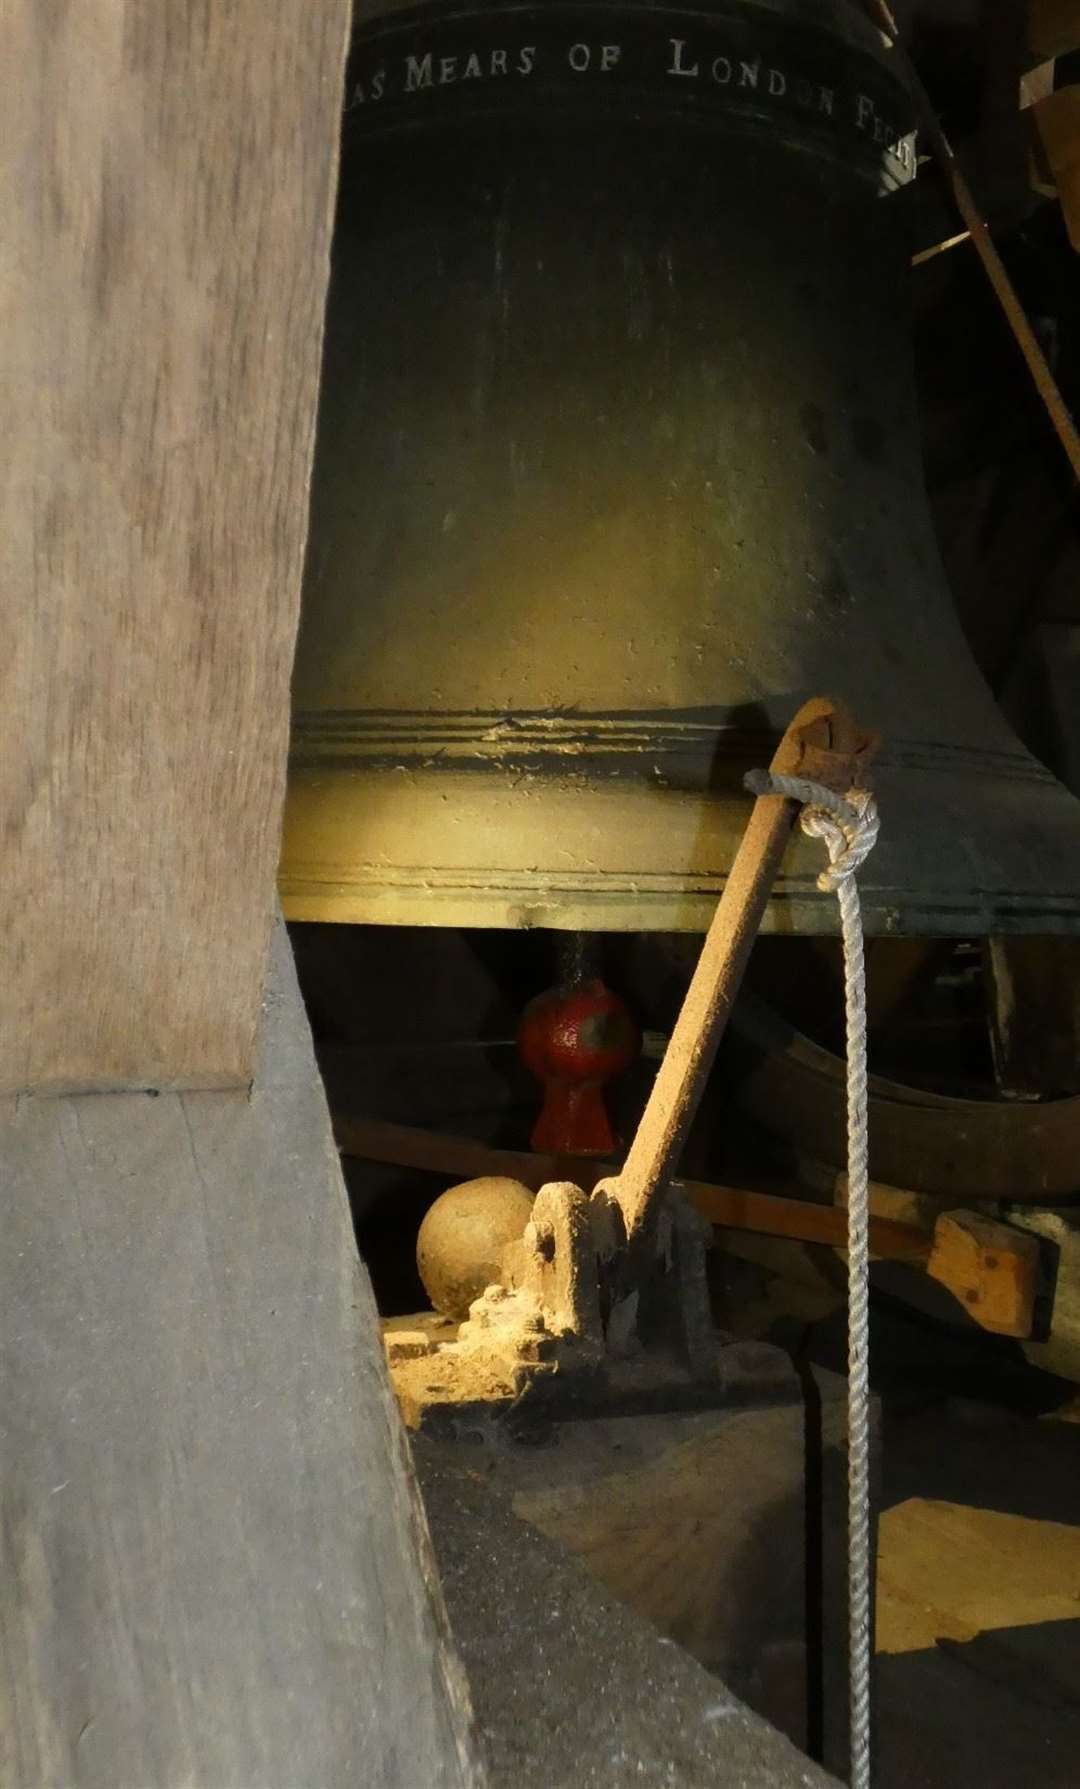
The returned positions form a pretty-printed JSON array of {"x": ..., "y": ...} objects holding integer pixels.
[
  {"x": 169, "y": 175},
  {"x": 214, "y": 1563}
]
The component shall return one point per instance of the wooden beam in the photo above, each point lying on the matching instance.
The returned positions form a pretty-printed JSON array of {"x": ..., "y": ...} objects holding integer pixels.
[
  {"x": 1033, "y": 1013},
  {"x": 1053, "y": 28},
  {"x": 769, "y": 1214},
  {"x": 166, "y": 223},
  {"x": 991, "y": 1268},
  {"x": 437, "y": 1152},
  {"x": 215, "y": 1568},
  {"x": 976, "y": 223},
  {"x": 1058, "y": 120},
  {"x": 929, "y": 217}
]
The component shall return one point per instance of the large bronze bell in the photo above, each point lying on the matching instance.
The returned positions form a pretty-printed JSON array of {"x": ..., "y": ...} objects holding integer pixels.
[{"x": 617, "y": 463}]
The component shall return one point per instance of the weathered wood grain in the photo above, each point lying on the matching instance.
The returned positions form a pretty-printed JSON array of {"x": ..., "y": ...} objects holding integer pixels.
[
  {"x": 731, "y": 1207},
  {"x": 1053, "y": 27},
  {"x": 1057, "y": 117},
  {"x": 212, "y": 1562},
  {"x": 992, "y": 1270},
  {"x": 169, "y": 173}
]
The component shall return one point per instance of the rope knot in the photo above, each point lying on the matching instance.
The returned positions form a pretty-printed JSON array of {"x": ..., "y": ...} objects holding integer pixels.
[
  {"x": 848, "y": 825},
  {"x": 849, "y": 841}
]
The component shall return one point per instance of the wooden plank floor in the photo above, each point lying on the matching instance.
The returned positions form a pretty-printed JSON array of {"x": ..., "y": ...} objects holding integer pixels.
[{"x": 978, "y": 1672}]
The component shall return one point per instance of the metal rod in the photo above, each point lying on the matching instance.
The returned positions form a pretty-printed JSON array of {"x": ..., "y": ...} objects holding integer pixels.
[{"x": 822, "y": 731}]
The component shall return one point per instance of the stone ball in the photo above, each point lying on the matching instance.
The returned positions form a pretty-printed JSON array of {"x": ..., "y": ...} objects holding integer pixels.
[{"x": 462, "y": 1238}]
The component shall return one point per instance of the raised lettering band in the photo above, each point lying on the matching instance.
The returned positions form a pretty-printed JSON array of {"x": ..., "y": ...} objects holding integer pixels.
[{"x": 740, "y": 64}]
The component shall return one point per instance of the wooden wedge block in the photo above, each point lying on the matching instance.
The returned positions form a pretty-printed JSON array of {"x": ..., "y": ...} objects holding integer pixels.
[{"x": 990, "y": 1268}]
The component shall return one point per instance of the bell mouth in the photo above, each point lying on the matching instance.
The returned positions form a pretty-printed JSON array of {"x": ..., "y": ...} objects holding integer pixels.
[{"x": 971, "y": 843}]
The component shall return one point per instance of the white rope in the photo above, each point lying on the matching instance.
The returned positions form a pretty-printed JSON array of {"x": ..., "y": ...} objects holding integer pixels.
[{"x": 850, "y": 829}]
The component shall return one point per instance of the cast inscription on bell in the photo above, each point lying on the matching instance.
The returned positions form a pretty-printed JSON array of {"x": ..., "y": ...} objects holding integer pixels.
[{"x": 617, "y": 462}]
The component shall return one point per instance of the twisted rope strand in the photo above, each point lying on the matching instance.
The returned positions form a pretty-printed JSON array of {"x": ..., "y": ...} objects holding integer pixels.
[{"x": 849, "y": 828}]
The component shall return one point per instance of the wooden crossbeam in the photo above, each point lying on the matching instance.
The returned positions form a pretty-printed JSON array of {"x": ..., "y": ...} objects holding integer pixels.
[
  {"x": 991, "y": 1268},
  {"x": 1053, "y": 28}
]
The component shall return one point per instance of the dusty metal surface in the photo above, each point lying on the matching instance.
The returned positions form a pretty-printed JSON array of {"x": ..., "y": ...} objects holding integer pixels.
[
  {"x": 555, "y": 1292},
  {"x": 618, "y": 461},
  {"x": 511, "y": 1369},
  {"x": 582, "y": 1281}
]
